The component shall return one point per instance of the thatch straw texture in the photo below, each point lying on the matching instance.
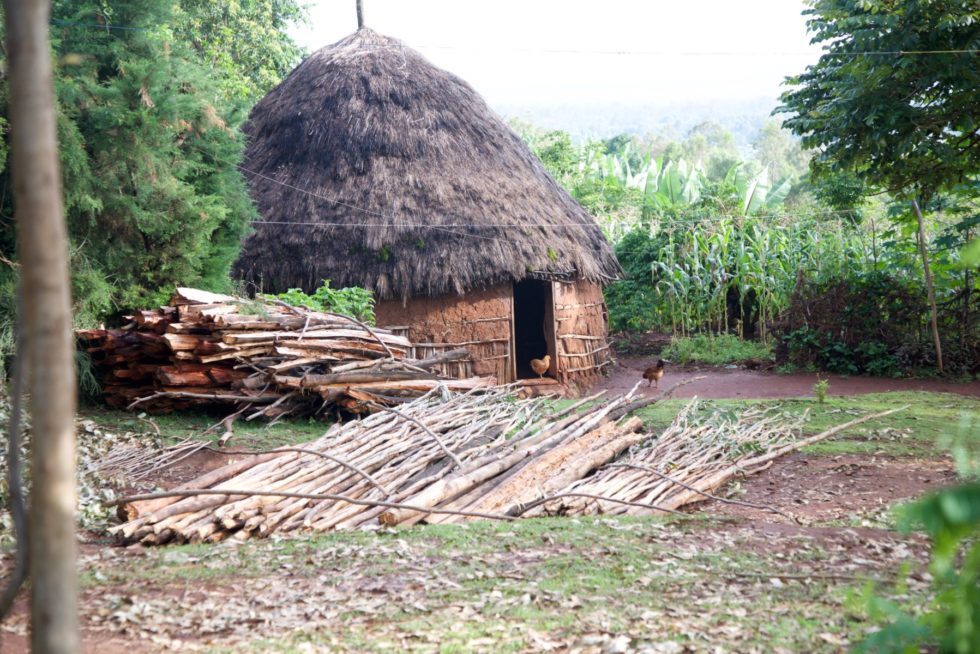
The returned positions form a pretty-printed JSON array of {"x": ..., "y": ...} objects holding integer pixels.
[{"x": 372, "y": 167}]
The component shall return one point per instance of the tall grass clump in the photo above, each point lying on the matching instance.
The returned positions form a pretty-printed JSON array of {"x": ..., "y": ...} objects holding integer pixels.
[{"x": 714, "y": 350}]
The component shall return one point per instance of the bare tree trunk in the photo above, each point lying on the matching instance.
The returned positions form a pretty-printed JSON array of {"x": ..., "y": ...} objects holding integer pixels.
[
  {"x": 933, "y": 317},
  {"x": 966, "y": 327},
  {"x": 43, "y": 249},
  {"x": 360, "y": 14}
]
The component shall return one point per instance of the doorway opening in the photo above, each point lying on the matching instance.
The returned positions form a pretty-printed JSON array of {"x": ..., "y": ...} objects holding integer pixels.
[{"x": 533, "y": 333}]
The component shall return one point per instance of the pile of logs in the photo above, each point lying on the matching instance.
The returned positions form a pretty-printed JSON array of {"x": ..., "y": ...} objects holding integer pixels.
[
  {"x": 263, "y": 357},
  {"x": 468, "y": 456},
  {"x": 398, "y": 466}
]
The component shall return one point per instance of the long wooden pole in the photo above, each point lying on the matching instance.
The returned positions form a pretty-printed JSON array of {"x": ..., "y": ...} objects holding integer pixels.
[
  {"x": 43, "y": 250},
  {"x": 360, "y": 14},
  {"x": 933, "y": 314}
]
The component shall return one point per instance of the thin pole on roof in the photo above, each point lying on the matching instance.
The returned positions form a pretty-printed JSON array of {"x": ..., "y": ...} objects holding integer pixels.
[{"x": 360, "y": 14}]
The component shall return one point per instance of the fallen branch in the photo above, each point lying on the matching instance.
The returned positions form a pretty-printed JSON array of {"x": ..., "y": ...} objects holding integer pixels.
[
  {"x": 217, "y": 397},
  {"x": 519, "y": 510},
  {"x": 644, "y": 402},
  {"x": 700, "y": 492}
]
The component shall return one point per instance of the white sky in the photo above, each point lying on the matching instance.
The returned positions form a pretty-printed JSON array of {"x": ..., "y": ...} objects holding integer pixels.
[{"x": 697, "y": 51}]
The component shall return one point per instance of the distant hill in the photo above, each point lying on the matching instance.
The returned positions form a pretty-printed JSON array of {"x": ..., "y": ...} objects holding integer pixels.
[{"x": 603, "y": 120}]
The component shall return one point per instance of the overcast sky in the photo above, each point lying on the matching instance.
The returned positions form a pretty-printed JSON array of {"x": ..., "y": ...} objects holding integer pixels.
[{"x": 560, "y": 51}]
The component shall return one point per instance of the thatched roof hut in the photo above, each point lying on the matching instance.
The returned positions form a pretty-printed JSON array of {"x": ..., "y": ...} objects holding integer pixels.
[{"x": 371, "y": 167}]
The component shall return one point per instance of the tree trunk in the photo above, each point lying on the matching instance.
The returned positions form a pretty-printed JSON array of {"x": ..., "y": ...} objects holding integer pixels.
[
  {"x": 933, "y": 317},
  {"x": 43, "y": 250}
]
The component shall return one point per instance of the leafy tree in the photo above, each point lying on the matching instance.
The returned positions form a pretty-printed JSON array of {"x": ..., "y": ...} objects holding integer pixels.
[
  {"x": 893, "y": 99},
  {"x": 247, "y": 67},
  {"x": 150, "y": 95},
  {"x": 713, "y": 147},
  {"x": 902, "y": 121},
  {"x": 843, "y": 192},
  {"x": 778, "y": 151}
]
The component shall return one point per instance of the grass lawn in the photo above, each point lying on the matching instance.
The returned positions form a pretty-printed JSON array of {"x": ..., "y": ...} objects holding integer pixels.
[{"x": 175, "y": 427}]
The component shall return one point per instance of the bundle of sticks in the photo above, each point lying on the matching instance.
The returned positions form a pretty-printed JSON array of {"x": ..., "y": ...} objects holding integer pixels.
[
  {"x": 430, "y": 458},
  {"x": 694, "y": 457},
  {"x": 465, "y": 457},
  {"x": 265, "y": 358}
]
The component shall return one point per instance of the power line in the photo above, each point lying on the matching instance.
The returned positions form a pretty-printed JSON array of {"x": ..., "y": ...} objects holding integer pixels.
[
  {"x": 395, "y": 224},
  {"x": 690, "y": 53},
  {"x": 575, "y": 51}
]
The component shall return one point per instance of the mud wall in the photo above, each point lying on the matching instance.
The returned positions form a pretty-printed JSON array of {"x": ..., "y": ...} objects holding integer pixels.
[
  {"x": 581, "y": 327},
  {"x": 480, "y": 321}
]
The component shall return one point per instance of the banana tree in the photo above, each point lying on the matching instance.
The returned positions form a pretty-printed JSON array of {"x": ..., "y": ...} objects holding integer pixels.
[{"x": 756, "y": 193}]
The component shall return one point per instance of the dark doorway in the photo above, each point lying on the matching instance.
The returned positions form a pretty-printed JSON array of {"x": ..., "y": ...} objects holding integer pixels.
[{"x": 532, "y": 310}]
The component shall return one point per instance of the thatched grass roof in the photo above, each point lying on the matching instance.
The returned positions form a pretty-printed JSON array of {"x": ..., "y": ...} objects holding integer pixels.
[{"x": 372, "y": 167}]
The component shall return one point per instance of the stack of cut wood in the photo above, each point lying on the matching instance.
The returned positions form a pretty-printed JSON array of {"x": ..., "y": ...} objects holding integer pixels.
[
  {"x": 266, "y": 358},
  {"x": 465, "y": 457},
  {"x": 473, "y": 453}
]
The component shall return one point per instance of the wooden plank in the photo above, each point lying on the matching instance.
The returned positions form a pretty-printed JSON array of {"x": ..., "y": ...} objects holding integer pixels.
[
  {"x": 551, "y": 330},
  {"x": 313, "y": 334},
  {"x": 170, "y": 376},
  {"x": 182, "y": 342},
  {"x": 196, "y": 296},
  {"x": 244, "y": 352},
  {"x": 584, "y": 354},
  {"x": 596, "y": 367}
]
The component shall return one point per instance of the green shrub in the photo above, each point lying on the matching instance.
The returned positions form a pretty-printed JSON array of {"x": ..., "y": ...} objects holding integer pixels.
[
  {"x": 354, "y": 301},
  {"x": 951, "y": 622},
  {"x": 874, "y": 323},
  {"x": 714, "y": 350},
  {"x": 820, "y": 389}
]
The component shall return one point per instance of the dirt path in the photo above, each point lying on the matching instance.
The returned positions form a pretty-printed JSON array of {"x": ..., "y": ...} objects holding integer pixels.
[{"x": 720, "y": 383}]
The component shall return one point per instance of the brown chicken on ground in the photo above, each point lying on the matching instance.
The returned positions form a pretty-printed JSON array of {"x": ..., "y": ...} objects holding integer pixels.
[
  {"x": 654, "y": 373},
  {"x": 541, "y": 365}
]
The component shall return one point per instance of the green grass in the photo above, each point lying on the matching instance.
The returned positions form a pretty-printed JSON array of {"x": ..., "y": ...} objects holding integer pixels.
[
  {"x": 922, "y": 429},
  {"x": 174, "y": 427},
  {"x": 916, "y": 431},
  {"x": 714, "y": 350}
]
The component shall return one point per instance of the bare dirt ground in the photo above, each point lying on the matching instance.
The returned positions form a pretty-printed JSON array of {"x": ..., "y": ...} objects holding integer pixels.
[{"x": 722, "y": 383}]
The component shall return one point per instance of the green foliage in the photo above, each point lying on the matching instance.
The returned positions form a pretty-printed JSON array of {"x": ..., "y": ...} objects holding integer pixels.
[
  {"x": 149, "y": 96},
  {"x": 354, "y": 301},
  {"x": 826, "y": 323},
  {"x": 714, "y": 350},
  {"x": 900, "y": 121},
  {"x": 820, "y": 389},
  {"x": 694, "y": 272},
  {"x": 779, "y": 152},
  {"x": 951, "y": 623},
  {"x": 843, "y": 192},
  {"x": 813, "y": 349},
  {"x": 245, "y": 41},
  {"x": 634, "y": 303}
]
